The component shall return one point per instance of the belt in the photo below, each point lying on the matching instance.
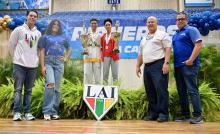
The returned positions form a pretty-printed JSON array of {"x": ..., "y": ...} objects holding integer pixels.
[
  {"x": 151, "y": 63},
  {"x": 92, "y": 60}
]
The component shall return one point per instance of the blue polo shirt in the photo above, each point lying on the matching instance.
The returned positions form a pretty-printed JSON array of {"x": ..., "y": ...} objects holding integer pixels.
[
  {"x": 183, "y": 44},
  {"x": 54, "y": 45}
]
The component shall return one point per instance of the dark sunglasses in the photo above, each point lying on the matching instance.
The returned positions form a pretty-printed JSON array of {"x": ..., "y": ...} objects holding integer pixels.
[{"x": 181, "y": 19}]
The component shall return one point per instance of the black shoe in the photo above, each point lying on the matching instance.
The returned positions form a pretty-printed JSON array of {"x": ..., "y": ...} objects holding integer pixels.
[
  {"x": 84, "y": 53},
  {"x": 196, "y": 120},
  {"x": 150, "y": 118},
  {"x": 182, "y": 119},
  {"x": 162, "y": 120}
]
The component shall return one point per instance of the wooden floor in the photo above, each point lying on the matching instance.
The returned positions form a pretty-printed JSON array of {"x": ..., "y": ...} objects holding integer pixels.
[{"x": 7, "y": 126}]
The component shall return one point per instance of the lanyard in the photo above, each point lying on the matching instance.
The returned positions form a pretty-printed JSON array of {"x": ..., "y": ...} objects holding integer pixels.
[
  {"x": 107, "y": 38},
  {"x": 94, "y": 36}
]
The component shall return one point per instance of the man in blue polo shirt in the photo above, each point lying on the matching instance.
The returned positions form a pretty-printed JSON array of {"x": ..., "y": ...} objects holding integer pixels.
[{"x": 187, "y": 44}]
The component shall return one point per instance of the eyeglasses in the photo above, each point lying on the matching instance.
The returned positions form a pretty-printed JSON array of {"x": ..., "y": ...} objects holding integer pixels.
[{"x": 180, "y": 19}]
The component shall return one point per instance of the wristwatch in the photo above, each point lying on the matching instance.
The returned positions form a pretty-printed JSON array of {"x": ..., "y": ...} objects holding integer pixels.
[{"x": 167, "y": 62}]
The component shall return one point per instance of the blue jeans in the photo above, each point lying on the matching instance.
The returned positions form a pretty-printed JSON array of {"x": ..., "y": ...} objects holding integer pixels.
[
  {"x": 54, "y": 74},
  {"x": 23, "y": 76},
  {"x": 156, "y": 86},
  {"x": 186, "y": 82}
]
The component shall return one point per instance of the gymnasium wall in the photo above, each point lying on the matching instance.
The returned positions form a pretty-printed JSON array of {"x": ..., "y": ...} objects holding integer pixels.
[
  {"x": 75, "y": 5},
  {"x": 217, "y": 3}
]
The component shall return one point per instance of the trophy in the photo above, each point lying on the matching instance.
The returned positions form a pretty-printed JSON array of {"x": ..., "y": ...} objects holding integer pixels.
[
  {"x": 84, "y": 39},
  {"x": 117, "y": 37}
]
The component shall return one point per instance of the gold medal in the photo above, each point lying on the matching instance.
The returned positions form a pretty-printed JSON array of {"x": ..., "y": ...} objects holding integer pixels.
[{"x": 106, "y": 47}]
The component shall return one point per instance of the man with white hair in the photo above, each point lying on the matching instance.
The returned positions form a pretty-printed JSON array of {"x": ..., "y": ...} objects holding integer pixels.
[{"x": 154, "y": 53}]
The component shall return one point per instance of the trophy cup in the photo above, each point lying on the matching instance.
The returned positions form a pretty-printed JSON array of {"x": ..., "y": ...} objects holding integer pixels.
[
  {"x": 84, "y": 39},
  {"x": 117, "y": 37}
]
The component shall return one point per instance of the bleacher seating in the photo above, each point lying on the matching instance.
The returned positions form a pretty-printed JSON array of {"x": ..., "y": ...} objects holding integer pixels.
[
  {"x": 22, "y": 13},
  {"x": 137, "y": 15},
  {"x": 23, "y": 4},
  {"x": 192, "y": 11},
  {"x": 14, "y": 5},
  {"x": 2, "y": 6}
]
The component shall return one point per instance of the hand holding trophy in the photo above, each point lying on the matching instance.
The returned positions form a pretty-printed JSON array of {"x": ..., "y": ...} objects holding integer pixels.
[
  {"x": 84, "y": 38},
  {"x": 117, "y": 37}
]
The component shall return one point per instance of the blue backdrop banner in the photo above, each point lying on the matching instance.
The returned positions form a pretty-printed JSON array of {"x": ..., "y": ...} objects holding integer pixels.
[{"x": 132, "y": 27}]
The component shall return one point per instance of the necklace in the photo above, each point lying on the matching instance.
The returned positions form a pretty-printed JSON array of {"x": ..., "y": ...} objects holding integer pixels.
[
  {"x": 107, "y": 38},
  {"x": 149, "y": 36},
  {"x": 92, "y": 38}
]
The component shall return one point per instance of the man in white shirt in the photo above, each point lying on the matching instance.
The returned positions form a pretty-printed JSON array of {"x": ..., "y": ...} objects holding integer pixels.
[
  {"x": 92, "y": 61},
  {"x": 155, "y": 49}
]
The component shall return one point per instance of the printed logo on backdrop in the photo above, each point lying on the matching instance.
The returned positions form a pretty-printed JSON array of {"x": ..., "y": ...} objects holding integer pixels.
[{"x": 100, "y": 99}]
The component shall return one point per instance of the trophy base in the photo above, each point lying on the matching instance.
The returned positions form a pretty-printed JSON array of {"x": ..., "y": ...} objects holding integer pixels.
[
  {"x": 84, "y": 53},
  {"x": 116, "y": 51}
]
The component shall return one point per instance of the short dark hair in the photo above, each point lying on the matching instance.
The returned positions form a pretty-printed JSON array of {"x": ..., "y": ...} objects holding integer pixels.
[
  {"x": 49, "y": 28},
  {"x": 93, "y": 19},
  {"x": 108, "y": 20},
  {"x": 184, "y": 13},
  {"x": 28, "y": 11}
]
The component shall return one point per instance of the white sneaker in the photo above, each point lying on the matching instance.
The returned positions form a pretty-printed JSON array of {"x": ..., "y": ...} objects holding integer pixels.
[
  {"x": 17, "y": 117},
  {"x": 55, "y": 117},
  {"x": 29, "y": 117},
  {"x": 47, "y": 117}
]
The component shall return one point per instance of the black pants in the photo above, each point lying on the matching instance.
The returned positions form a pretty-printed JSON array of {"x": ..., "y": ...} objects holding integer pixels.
[{"x": 156, "y": 86}]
